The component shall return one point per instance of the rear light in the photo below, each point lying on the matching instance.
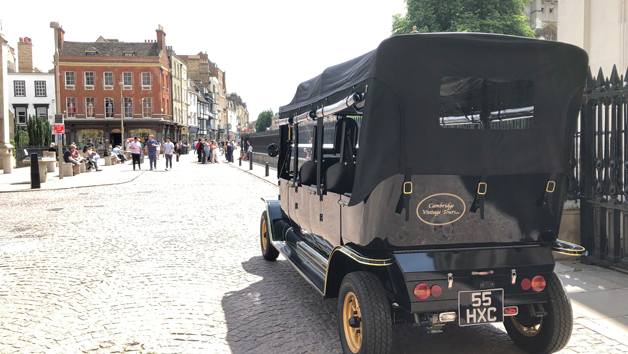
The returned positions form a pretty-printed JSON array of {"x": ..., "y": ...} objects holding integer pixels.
[
  {"x": 525, "y": 284},
  {"x": 436, "y": 290},
  {"x": 511, "y": 311},
  {"x": 421, "y": 291},
  {"x": 538, "y": 283}
]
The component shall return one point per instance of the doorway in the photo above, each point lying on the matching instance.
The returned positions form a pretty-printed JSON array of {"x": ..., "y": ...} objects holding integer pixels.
[{"x": 116, "y": 139}]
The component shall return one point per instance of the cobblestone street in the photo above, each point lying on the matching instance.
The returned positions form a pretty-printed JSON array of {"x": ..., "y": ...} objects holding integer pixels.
[{"x": 171, "y": 263}]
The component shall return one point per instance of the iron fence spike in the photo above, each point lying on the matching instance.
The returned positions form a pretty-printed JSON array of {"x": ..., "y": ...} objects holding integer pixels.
[
  {"x": 600, "y": 82},
  {"x": 590, "y": 81},
  {"x": 614, "y": 80}
]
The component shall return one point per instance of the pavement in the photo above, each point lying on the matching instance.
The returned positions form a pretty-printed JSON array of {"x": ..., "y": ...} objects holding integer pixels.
[
  {"x": 19, "y": 180},
  {"x": 170, "y": 262}
]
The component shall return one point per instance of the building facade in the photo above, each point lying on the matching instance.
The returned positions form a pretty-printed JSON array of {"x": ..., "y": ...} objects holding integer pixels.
[
  {"x": 543, "y": 15},
  {"x": 600, "y": 28},
  {"x": 107, "y": 82},
  {"x": 241, "y": 113},
  {"x": 178, "y": 70},
  {"x": 192, "y": 111}
]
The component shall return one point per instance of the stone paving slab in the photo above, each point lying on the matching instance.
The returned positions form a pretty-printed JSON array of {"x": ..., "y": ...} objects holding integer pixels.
[{"x": 170, "y": 263}]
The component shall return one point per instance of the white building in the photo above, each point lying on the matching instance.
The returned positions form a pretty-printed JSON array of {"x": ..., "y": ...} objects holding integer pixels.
[
  {"x": 32, "y": 94},
  {"x": 192, "y": 110}
]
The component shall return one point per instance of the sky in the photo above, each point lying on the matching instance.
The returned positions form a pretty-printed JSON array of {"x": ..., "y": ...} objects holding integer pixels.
[{"x": 266, "y": 47}]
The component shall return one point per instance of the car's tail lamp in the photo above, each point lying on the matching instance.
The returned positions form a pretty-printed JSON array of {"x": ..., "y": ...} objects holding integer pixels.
[
  {"x": 526, "y": 284},
  {"x": 436, "y": 291},
  {"x": 538, "y": 283},
  {"x": 421, "y": 291},
  {"x": 511, "y": 311}
]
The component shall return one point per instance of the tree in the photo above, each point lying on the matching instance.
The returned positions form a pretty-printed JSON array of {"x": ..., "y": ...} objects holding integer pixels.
[
  {"x": 264, "y": 120},
  {"x": 488, "y": 16}
]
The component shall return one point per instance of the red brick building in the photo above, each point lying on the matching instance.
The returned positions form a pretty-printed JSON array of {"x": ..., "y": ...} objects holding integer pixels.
[{"x": 93, "y": 101}]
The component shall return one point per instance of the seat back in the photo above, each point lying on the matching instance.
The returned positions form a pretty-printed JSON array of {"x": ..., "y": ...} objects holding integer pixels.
[{"x": 339, "y": 176}]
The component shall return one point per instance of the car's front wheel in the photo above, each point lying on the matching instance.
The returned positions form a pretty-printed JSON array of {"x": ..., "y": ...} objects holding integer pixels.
[
  {"x": 269, "y": 252},
  {"x": 364, "y": 319},
  {"x": 547, "y": 334}
]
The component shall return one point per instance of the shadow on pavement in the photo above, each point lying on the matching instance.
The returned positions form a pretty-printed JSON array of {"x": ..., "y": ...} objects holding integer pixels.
[{"x": 282, "y": 313}]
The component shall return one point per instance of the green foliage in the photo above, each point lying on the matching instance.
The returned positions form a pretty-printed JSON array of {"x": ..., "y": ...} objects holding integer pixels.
[
  {"x": 17, "y": 133},
  {"x": 39, "y": 131},
  {"x": 264, "y": 120},
  {"x": 12, "y": 142},
  {"x": 487, "y": 16}
]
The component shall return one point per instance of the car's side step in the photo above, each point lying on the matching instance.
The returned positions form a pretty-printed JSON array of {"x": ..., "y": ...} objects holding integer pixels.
[
  {"x": 312, "y": 254},
  {"x": 309, "y": 269}
]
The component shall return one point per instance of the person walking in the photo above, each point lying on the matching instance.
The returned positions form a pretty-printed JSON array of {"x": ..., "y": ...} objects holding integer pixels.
[
  {"x": 206, "y": 147},
  {"x": 199, "y": 149},
  {"x": 136, "y": 150},
  {"x": 151, "y": 151},
  {"x": 168, "y": 150}
]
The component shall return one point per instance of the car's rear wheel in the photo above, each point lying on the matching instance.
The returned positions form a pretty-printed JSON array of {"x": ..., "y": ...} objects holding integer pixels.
[
  {"x": 546, "y": 334},
  {"x": 269, "y": 252},
  {"x": 364, "y": 318}
]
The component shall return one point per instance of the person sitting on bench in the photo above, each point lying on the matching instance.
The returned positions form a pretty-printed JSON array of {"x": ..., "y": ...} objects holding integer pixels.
[{"x": 68, "y": 158}]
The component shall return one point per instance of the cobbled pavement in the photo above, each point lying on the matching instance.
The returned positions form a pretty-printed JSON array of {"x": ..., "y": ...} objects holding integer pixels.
[{"x": 170, "y": 263}]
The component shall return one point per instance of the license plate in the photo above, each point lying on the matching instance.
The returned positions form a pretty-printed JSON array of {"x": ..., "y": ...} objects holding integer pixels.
[{"x": 480, "y": 307}]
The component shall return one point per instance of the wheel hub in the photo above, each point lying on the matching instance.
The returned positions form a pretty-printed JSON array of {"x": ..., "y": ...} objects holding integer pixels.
[
  {"x": 529, "y": 326},
  {"x": 352, "y": 321}
]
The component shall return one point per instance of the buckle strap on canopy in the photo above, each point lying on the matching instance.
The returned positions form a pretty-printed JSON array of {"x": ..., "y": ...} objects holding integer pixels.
[
  {"x": 406, "y": 192},
  {"x": 478, "y": 201},
  {"x": 549, "y": 189}
]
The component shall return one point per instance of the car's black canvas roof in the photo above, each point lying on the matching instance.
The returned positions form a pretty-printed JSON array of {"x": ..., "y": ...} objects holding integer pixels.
[{"x": 400, "y": 127}]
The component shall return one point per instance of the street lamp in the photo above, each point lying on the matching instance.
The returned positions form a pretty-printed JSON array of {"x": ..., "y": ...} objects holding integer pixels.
[
  {"x": 56, "y": 26},
  {"x": 121, "y": 116}
]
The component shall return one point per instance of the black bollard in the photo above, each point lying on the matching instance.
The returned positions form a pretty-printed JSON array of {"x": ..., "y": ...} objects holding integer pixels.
[
  {"x": 35, "y": 172},
  {"x": 250, "y": 154},
  {"x": 240, "y": 160},
  {"x": 177, "y": 157},
  {"x": 267, "y": 169}
]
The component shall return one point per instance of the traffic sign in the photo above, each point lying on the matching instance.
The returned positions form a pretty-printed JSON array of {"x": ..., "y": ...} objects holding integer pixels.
[
  {"x": 59, "y": 129},
  {"x": 59, "y": 137}
]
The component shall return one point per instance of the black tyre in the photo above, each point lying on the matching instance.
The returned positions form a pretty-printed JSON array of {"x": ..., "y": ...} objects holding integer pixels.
[
  {"x": 364, "y": 319},
  {"x": 269, "y": 252},
  {"x": 546, "y": 334}
]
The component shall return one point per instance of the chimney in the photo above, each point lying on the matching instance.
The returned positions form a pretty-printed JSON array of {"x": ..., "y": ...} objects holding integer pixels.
[
  {"x": 60, "y": 38},
  {"x": 161, "y": 38},
  {"x": 25, "y": 55}
]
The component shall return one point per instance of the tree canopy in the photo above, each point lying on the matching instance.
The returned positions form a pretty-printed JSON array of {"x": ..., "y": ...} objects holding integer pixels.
[
  {"x": 264, "y": 120},
  {"x": 488, "y": 16}
]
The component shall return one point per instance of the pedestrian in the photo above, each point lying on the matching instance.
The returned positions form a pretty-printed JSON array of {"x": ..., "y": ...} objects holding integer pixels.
[
  {"x": 215, "y": 151},
  {"x": 54, "y": 148},
  {"x": 249, "y": 150},
  {"x": 206, "y": 147},
  {"x": 199, "y": 149},
  {"x": 136, "y": 149},
  {"x": 168, "y": 150},
  {"x": 151, "y": 151},
  {"x": 68, "y": 157}
]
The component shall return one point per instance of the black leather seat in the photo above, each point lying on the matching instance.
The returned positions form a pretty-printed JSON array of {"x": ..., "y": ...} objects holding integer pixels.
[{"x": 339, "y": 176}]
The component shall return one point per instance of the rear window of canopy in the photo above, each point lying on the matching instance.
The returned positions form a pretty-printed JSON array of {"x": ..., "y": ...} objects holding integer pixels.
[{"x": 486, "y": 103}]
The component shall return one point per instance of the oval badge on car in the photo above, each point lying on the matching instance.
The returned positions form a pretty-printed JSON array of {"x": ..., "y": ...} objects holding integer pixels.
[{"x": 441, "y": 209}]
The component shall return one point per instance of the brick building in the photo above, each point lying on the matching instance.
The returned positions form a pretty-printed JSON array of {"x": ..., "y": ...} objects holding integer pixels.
[{"x": 93, "y": 100}]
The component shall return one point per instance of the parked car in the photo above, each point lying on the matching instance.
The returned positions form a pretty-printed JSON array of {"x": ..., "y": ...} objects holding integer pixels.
[{"x": 442, "y": 204}]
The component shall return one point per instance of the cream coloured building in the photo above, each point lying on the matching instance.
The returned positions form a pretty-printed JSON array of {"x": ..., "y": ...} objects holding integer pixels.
[
  {"x": 601, "y": 28},
  {"x": 543, "y": 18},
  {"x": 179, "y": 72}
]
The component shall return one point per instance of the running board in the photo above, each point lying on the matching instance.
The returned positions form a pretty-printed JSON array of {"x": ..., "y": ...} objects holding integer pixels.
[{"x": 304, "y": 263}]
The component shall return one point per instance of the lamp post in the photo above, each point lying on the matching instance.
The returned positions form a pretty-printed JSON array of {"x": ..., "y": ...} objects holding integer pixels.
[
  {"x": 121, "y": 116},
  {"x": 55, "y": 25}
]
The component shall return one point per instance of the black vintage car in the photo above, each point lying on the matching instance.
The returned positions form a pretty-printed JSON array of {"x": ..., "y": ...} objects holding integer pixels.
[{"x": 435, "y": 194}]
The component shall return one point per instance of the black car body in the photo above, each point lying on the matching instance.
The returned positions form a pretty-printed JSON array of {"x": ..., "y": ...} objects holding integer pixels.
[{"x": 444, "y": 174}]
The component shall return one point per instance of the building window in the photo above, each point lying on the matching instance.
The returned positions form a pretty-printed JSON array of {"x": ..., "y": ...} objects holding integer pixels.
[
  {"x": 69, "y": 78},
  {"x": 40, "y": 88},
  {"x": 145, "y": 79},
  {"x": 108, "y": 107},
  {"x": 70, "y": 106},
  {"x": 108, "y": 79},
  {"x": 132, "y": 54},
  {"x": 89, "y": 78},
  {"x": 42, "y": 112},
  {"x": 147, "y": 107},
  {"x": 127, "y": 79},
  {"x": 550, "y": 33},
  {"x": 89, "y": 107},
  {"x": 91, "y": 53},
  {"x": 20, "y": 113},
  {"x": 128, "y": 107},
  {"x": 19, "y": 88}
]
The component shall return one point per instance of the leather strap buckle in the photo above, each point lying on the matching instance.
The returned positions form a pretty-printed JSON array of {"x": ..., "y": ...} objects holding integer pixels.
[
  {"x": 405, "y": 188},
  {"x": 551, "y": 186},
  {"x": 482, "y": 191}
]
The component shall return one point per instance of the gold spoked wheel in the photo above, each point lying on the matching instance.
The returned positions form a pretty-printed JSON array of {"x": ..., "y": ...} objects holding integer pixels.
[
  {"x": 351, "y": 318},
  {"x": 264, "y": 236},
  {"x": 530, "y": 331}
]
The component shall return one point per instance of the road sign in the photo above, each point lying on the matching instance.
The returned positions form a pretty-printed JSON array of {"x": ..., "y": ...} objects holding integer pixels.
[
  {"x": 59, "y": 129},
  {"x": 59, "y": 137}
]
